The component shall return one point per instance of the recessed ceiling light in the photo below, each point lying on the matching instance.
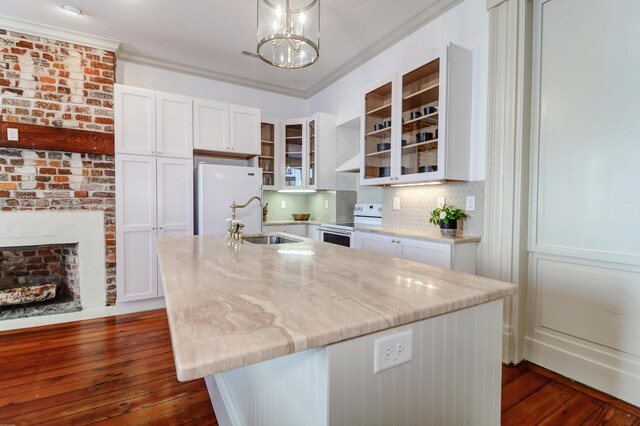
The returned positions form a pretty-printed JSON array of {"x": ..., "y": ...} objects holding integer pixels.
[{"x": 71, "y": 9}]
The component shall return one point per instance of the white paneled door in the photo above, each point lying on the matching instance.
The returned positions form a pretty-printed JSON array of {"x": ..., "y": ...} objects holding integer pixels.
[
  {"x": 174, "y": 125},
  {"x": 136, "y": 227},
  {"x": 135, "y": 120}
]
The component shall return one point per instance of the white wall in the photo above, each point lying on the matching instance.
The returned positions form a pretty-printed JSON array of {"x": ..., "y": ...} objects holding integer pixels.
[
  {"x": 272, "y": 105},
  {"x": 466, "y": 25}
]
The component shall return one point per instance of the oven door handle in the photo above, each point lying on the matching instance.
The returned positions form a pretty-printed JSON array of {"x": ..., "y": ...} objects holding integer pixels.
[{"x": 334, "y": 231}]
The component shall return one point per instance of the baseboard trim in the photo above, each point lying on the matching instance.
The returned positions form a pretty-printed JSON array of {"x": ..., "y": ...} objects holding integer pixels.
[
  {"x": 619, "y": 383},
  {"x": 139, "y": 306}
]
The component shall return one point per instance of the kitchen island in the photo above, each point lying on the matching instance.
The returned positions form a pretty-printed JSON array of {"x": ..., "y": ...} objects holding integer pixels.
[{"x": 286, "y": 334}]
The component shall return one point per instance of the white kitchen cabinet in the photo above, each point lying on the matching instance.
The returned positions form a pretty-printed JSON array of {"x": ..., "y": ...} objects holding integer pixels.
[
  {"x": 226, "y": 128},
  {"x": 244, "y": 136},
  {"x": 154, "y": 197},
  {"x": 376, "y": 243},
  {"x": 307, "y": 153},
  {"x": 416, "y": 123},
  {"x": 269, "y": 153},
  {"x": 299, "y": 230},
  {"x": 321, "y": 151},
  {"x": 313, "y": 232},
  {"x": 136, "y": 223},
  {"x": 211, "y": 126},
  {"x": 174, "y": 125},
  {"x": 135, "y": 120},
  {"x": 152, "y": 123},
  {"x": 459, "y": 257}
]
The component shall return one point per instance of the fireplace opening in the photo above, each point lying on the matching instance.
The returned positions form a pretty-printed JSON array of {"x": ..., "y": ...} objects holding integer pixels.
[{"x": 39, "y": 280}]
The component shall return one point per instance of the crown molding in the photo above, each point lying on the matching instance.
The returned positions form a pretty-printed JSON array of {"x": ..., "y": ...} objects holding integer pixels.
[
  {"x": 209, "y": 74},
  {"x": 41, "y": 30},
  {"x": 409, "y": 27}
]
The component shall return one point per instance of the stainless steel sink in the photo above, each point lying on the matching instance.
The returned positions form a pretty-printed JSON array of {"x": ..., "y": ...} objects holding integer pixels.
[{"x": 269, "y": 239}]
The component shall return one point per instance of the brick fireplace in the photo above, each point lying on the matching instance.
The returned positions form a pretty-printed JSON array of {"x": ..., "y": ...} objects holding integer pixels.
[
  {"x": 59, "y": 95},
  {"x": 39, "y": 280}
]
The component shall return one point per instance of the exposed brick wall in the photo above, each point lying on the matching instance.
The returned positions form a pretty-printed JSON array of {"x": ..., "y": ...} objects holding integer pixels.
[
  {"x": 55, "y": 83},
  {"x": 58, "y": 84},
  {"x": 50, "y": 180}
]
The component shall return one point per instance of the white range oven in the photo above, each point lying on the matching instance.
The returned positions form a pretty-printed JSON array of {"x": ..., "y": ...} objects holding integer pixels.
[{"x": 343, "y": 234}]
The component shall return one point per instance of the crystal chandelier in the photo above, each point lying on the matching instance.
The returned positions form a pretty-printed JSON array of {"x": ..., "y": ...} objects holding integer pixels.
[{"x": 289, "y": 32}]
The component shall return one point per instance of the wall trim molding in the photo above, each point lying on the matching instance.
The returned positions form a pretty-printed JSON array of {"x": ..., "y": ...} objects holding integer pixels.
[
  {"x": 494, "y": 3},
  {"x": 505, "y": 255},
  {"x": 209, "y": 74},
  {"x": 41, "y": 30}
]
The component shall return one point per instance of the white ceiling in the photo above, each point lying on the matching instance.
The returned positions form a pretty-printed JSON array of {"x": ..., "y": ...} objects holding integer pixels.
[{"x": 206, "y": 36}]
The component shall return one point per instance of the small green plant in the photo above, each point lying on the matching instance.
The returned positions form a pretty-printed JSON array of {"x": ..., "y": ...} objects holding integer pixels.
[{"x": 446, "y": 213}]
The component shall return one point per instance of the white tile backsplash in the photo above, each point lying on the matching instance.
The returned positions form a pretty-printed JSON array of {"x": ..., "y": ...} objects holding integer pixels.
[
  {"x": 324, "y": 206},
  {"x": 417, "y": 202}
]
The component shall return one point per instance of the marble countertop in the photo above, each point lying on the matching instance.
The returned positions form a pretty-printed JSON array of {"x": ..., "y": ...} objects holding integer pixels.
[
  {"x": 290, "y": 222},
  {"x": 229, "y": 307},
  {"x": 434, "y": 236}
]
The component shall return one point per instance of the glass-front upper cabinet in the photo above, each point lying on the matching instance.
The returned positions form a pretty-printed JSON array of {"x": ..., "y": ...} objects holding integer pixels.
[
  {"x": 421, "y": 131},
  {"x": 267, "y": 158},
  {"x": 294, "y": 154},
  {"x": 420, "y": 112},
  {"x": 311, "y": 149},
  {"x": 377, "y": 130}
]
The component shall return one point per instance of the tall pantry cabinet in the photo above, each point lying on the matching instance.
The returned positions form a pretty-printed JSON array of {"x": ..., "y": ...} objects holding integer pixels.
[{"x": 154, "y": 183}]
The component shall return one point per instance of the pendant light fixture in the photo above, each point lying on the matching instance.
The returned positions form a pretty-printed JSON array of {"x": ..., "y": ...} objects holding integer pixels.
[{"x": 289, "y": 32}]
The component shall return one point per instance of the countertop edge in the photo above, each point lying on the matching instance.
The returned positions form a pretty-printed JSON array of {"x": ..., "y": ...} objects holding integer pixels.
[
  {"x": 238, "y": 360},
  {"x": 419, "y": 235}
]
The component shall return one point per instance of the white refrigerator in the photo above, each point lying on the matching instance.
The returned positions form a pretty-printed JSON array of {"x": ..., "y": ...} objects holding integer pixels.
[{"x": 217, "y": 187}]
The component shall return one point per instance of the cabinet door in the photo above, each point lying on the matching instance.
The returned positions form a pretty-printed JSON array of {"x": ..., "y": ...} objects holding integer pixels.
[
  {"x": 175, "y": 200},
  {"x": 135, "y": 125},
  {"x": 376, "y": 243},
  {"x": 244, "y": 135},
  {"x": 425, "y": 252},
  {"x": 294, "y": 147},
  {"x": 211, "y": 125},
  {"x": 377, "y": 136},
  {"x": 174, "y": 124},
  {"x": 136, "y": 268}
]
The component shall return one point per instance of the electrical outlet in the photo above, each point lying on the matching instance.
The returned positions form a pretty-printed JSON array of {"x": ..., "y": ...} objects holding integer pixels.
[
  {"x": 441, "y": 201},
  {"x": 283, "y": 204},
  {"x": 326, "y": 204},
  {"x": 471, "y": 204},
  {"x": 396, "y": 203},
  {"x": 12, "y": 134},
  {"x": 392, "y": 350}
]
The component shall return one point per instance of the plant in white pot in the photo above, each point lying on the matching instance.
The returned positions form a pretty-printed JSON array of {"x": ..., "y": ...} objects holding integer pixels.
[{"x": 447, "y": 218}]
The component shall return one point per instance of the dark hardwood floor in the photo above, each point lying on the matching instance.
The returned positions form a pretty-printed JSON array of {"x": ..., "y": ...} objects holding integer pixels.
[
  {"x": 111, "y": 371},
  {"x": 532, "y": 395},
  {"x": 120, "y": 371}
]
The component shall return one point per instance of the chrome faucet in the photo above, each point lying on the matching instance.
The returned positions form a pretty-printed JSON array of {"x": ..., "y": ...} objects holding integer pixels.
[{"x": 234, "y": 230}]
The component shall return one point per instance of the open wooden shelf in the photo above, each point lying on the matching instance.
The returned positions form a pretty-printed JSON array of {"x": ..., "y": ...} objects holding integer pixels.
[
  {"x": 421, "y": 146},
  {"x": 381, "y": 112},
  {"x": 420, "y": 122},
  {"x": 421, "y": 97},
  {"x": 379, "y": 133},
  {"x": 376, "y": 153}
]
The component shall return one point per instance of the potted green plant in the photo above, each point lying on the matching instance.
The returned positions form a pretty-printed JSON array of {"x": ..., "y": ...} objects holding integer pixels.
[{"x": 447, "y": 217}]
